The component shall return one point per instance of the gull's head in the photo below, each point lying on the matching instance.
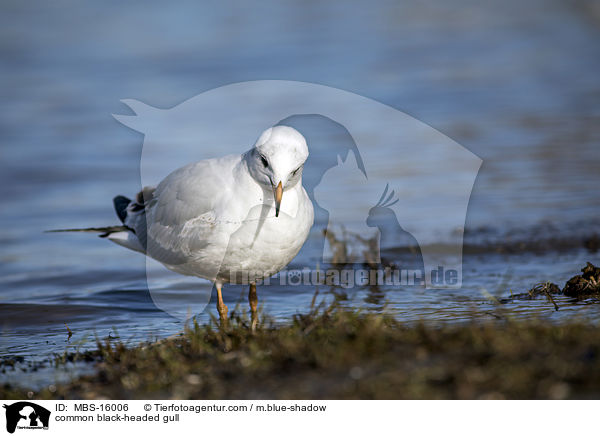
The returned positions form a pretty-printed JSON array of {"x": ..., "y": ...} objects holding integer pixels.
[{"x": 277, "y": 159}]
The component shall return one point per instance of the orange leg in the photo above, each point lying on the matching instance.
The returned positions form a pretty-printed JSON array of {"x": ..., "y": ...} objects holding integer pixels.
[
  {"x": 221, "y": 308},
  {"x": 253, "y": 300}
]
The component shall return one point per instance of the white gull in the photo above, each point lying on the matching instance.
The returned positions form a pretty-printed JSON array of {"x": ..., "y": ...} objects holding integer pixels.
[{"x": 235, "y": 219}]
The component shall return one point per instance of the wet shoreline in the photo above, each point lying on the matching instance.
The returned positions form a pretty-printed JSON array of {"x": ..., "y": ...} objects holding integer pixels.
[{"x": 112, "y": 368}]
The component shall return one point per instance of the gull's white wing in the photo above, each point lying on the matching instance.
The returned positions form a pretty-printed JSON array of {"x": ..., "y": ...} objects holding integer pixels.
[{"x": 179, "y": 217}]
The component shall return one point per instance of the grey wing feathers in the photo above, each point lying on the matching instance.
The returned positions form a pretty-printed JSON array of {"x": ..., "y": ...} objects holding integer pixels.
[
  {"x": 179, "y": 219},
  {"x": 172, "y": 221}
]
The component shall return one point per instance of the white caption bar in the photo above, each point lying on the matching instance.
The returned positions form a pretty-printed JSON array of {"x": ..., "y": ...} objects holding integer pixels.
[{"x": 151, "y": 417}]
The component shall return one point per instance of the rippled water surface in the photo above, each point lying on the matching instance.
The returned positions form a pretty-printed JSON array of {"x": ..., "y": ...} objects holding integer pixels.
[{"x": 517, "y": 84}]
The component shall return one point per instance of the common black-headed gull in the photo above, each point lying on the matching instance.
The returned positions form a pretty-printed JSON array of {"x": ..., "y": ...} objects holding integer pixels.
[{"x": 235, "y": 219}]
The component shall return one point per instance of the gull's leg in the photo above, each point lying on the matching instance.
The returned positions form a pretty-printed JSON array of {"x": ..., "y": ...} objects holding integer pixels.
[
  {"x": 253, "y": 300},
  {"x": 221, "y": 308}
]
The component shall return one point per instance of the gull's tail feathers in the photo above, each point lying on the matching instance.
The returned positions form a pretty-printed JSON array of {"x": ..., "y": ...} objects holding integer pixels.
[
  {"x": 122, "y": 235},
  {"x": 132, "y": 213},
  {"x": 104, "y": 231},
  {"x": 120, "y": 202}
]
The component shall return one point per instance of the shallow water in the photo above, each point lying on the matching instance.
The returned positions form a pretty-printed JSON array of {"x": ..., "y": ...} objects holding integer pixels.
[{"x": 520, "y": 90}]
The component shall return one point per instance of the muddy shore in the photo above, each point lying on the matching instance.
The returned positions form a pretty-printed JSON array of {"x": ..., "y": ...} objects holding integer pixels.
[{"x": 338, "y": 353}]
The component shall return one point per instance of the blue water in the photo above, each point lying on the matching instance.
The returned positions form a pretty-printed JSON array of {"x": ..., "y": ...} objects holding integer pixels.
[{"x": 518, "y": 84}]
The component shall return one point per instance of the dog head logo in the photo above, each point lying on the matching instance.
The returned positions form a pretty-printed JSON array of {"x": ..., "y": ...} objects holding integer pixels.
[{"x": 26, "y": 415}]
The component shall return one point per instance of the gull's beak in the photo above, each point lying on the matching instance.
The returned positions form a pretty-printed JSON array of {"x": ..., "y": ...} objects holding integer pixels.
[{"x": 278, "y": 195}]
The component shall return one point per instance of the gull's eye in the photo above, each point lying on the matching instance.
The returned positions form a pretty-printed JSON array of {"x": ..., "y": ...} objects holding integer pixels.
[
  {"x": 296, "y": 170},
  {"x": 264, "y": 161}
]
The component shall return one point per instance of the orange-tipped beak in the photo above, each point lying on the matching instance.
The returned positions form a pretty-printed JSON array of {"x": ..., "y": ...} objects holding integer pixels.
[{"x": 278, "y": 195}]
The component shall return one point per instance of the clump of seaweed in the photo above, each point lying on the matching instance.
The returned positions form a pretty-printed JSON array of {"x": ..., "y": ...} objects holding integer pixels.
[
  {"x": 546, "y": 289},
  {"x": 584, "y": 285}
]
